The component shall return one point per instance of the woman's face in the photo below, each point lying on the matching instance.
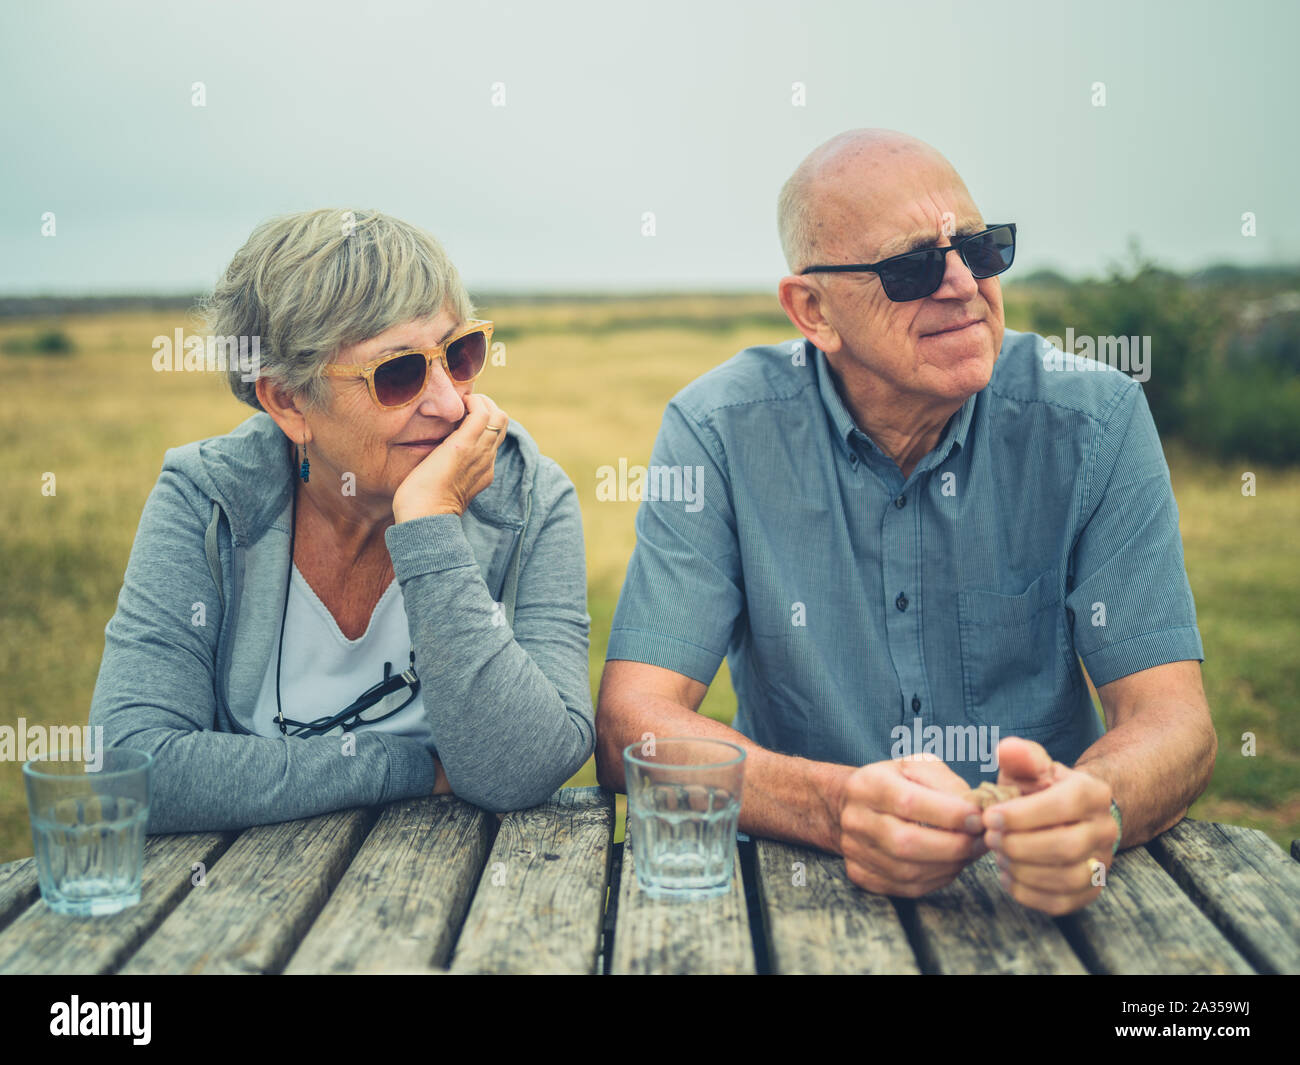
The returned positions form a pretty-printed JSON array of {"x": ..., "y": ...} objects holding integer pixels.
[{"x": 355, "y": 435}]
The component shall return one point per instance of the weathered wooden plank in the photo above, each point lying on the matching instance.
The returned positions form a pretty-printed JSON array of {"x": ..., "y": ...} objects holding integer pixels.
[
  {"x": 1143, "y": 923},
  {"x": 541, "y": 899},
  {"x": 259, "y": 898},
  {"x": 19, "y": 888},
  {"x": 1245, "y": 884},
  {"x": 974, "y": 925},
  {"x": 818, "y": 921},
  {"x": 401, "y": 902},
  {"x": 671, "y": 936},
  {"x": 42, "y": 941}
]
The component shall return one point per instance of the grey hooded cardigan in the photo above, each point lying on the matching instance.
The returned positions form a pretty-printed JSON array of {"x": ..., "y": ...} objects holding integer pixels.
[{"x": 496, "y": 605}]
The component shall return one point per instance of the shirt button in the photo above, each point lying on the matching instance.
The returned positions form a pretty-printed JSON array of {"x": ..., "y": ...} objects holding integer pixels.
[
  {"x": 901, "y": 601},
  {"x": 853, "y": 460},
  {"x": 900, "y": 502},
  {"x": 916, "y": 704}
]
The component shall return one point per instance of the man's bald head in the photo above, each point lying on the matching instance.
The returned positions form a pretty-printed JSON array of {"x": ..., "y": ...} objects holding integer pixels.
[
  {"x": 862, "y": 197},
  {"x": 826, "y": 194}
]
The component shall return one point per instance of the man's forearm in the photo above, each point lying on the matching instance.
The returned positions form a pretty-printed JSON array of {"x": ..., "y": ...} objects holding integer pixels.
[
  {"x": 1156, "y": 766},
  {"x": 787, "y": 798}
]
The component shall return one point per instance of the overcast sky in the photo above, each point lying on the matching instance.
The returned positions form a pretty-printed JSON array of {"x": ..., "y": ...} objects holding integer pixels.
[{"x": 615, "y": 109}]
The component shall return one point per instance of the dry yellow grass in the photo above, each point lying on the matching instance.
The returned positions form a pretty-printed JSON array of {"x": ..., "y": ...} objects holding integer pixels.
[
  {"x": 101, "y": 418},
  {"x": 589, "y": 381}
]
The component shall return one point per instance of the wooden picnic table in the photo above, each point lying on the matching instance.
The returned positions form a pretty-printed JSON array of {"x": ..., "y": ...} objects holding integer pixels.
[{"x": 435, "y": 885}]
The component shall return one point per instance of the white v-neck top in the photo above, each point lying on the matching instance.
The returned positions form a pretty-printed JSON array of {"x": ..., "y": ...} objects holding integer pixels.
[{"x": 322, "y": 671}]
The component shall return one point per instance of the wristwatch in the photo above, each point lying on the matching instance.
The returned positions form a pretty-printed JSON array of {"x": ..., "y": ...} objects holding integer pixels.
[{"x": 1119, "y": 826}]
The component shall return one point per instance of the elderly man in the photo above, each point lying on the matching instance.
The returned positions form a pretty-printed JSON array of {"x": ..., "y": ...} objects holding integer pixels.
[{"x": 914, "y": 523}]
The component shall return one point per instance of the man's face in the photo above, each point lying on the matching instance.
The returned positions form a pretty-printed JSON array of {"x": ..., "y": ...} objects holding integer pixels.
[{"x": 941, "y": 347}]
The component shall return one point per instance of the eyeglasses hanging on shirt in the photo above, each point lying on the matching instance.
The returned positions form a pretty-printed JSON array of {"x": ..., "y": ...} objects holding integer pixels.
[{"x": 362, "y": 711}]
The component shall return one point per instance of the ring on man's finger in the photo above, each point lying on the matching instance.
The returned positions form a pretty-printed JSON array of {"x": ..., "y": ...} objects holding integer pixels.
[{"x": 494, "y": 428}]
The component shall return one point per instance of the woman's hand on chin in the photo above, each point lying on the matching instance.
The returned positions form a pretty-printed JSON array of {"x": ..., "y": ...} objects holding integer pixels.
[{"x": 458, "y": 469}]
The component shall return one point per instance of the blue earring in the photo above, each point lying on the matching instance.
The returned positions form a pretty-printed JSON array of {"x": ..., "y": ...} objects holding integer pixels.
[{"x": 304, "y": 471}]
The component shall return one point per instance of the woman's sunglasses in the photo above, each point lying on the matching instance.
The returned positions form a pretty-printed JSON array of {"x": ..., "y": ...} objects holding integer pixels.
[
  {"x": 917, "y": 274},
  {"x": 399, "y": 377}
]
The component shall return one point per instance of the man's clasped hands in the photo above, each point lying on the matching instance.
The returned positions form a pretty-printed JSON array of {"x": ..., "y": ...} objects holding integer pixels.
[{"x": 909, "y": 826}]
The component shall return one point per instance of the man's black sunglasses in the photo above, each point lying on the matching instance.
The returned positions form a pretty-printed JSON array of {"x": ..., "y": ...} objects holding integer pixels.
[{"x": 917, "y": 274}]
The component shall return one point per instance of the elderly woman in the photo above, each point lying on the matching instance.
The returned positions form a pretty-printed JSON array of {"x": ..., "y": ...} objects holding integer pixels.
[{"x": 372, "y": 589}]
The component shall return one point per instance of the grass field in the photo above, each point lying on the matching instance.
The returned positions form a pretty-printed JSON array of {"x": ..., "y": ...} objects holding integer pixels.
[{"x": 589, "y": 381}]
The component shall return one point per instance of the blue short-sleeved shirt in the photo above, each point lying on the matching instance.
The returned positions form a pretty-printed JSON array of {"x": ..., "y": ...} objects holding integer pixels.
[{"x": 854, "y": 606}]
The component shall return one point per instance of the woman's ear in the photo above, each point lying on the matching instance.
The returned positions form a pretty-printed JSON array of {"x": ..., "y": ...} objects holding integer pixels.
[{"x": 284, "y": 408}]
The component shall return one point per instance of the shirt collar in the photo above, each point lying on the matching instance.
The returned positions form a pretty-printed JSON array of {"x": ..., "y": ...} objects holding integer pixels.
[{"x": 846, "y": 428}]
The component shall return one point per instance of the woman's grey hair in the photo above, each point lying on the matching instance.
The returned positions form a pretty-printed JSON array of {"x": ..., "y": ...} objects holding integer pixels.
[{"x": 312, "y": 283}]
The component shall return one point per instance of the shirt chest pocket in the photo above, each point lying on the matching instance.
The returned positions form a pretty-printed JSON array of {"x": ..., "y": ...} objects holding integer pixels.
[{"x": 1015, "y": 670}]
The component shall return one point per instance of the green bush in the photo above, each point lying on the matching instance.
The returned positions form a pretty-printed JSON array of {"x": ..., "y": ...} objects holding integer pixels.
[
  {"x": 1145, "y": 300},
  {"x": 52, "y": 342},
  {"x": 46, "y": 342},
  {"x": 1249, "y": 412},
  {"x": 1225, "y": 351}
]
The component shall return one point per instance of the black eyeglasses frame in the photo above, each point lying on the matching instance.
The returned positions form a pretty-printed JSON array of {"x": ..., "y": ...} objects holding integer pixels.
[{"x": 886, "y": 279}]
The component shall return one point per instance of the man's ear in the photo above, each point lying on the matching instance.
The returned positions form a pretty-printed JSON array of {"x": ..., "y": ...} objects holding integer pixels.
[
  {"x": 284, "y": 408},
  {"x": 801, "y": 299}
]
